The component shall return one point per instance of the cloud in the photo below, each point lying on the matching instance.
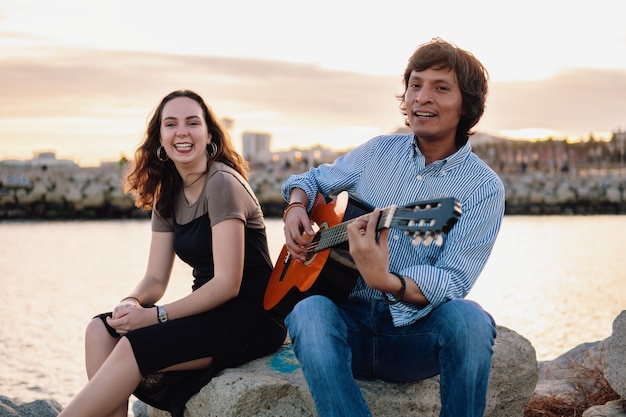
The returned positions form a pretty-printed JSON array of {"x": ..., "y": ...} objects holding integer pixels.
[
  {"x": 80, "y": 82},
  {"x": 89, "y": 100},
  {"x": 299, "y": 103},
  {"x": 575, "y": 102}
]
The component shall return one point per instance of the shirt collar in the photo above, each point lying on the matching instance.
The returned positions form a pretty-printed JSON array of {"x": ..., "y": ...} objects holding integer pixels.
[{"x": 451, "y": 161}]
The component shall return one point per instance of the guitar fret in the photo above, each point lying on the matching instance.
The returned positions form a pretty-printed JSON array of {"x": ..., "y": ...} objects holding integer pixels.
[
  {"x": 338, "y": 234},
  {"x": 332, "y": 236}
]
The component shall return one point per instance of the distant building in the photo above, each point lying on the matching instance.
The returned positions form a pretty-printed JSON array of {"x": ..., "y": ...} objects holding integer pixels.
[
  {"x": 42, "y": 160},
  {"x": 256, "y": 147},
  {"x": 310, "y": 157},
  {"x": 257, "y": 151}
]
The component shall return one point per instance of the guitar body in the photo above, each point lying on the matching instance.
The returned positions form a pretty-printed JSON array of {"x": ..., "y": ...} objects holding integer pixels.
[{"x": 330, "y": 272}]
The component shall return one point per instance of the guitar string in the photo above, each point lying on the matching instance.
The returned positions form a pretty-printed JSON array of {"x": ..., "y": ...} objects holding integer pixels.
[{"x": 338, "y": 233}]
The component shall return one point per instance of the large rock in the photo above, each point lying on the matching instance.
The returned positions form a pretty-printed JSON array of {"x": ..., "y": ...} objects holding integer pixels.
[
  {"x": 39, "y": 408},
  {"x": 574, "y": 374},
  {"x": 615, "y": 367},
  {"x": 274, "y": 386},
  {"x": 611, "y": 409},
  {"x": 578, "y": 374}
]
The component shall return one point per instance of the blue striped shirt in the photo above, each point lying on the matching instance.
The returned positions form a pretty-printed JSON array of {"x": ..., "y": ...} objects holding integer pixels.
[{"x": 391, "y": 170}]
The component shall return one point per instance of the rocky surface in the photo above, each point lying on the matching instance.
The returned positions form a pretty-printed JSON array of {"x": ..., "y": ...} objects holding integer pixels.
[
  {"x": 274, "y": 386},
  {"x": 615, "y": 363},
  {"x": 615, "y": 408},
  {"x": 577, "y": 373},
  {"x": 79, "y": 193},
  {"x": 40, "y": 408},
  {"x": 573, "y": 373},
  {"x": 565, "y": 193},
  {"x": 64, "y": 193}
]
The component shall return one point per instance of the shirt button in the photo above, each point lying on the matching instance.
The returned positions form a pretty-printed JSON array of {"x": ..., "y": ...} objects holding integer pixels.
[
  {"x": 396, "y": 238},
  {"x": 419, "y": 178},
  {"x": 443, "y": 173}
]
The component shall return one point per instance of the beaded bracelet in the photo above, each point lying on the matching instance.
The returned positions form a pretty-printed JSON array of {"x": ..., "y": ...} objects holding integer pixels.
[
  {"x": 400, "y": 295},
  {"x": 131, "y": 298},
  {"x": 290, "y": 206}
]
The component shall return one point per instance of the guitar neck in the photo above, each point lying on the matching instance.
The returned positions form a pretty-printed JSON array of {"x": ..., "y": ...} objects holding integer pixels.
[{"x": 338, "y": 234}]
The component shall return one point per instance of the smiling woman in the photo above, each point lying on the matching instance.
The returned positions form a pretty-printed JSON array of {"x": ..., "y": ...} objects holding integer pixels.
[{"x": 217, "y": 227}]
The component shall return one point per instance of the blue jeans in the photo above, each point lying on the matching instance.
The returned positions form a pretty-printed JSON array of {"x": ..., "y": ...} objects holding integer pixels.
[{"x": 357, "y": 339}]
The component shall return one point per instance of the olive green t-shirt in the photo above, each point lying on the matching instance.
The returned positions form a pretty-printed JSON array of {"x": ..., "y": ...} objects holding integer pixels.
[{"x": 225, "y": 195}]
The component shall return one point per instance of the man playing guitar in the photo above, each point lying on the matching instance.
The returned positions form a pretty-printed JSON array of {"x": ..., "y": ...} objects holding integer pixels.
[{"x": 406, "y": 318}]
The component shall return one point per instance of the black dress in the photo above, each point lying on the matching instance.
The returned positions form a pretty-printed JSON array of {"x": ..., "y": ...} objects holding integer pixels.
[{"x": 232, "y": 334}]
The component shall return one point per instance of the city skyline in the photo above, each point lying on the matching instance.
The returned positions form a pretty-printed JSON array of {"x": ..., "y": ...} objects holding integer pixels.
[{"x": 81, "y": 79}]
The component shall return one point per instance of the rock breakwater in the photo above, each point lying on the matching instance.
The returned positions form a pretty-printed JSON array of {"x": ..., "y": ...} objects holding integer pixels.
[{"x": 96, "y": 193}]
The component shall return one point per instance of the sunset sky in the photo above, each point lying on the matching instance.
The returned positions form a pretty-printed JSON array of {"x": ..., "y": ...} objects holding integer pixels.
[{"x": 81, "y": 77}]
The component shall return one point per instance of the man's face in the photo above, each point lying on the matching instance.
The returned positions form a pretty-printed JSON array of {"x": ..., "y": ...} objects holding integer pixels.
[{"x": 433, "y": 104}]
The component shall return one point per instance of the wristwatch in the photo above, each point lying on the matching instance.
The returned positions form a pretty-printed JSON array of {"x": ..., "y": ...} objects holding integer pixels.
[{"x": 161, "y": 314}]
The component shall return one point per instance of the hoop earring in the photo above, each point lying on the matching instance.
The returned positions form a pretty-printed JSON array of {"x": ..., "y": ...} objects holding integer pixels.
[
  {"x": 211, "y": 150},
  {"x": 160, "y": 152}
]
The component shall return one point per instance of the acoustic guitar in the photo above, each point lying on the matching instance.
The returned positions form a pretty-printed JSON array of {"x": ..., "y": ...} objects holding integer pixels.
[{"x": 329, "y": 269}]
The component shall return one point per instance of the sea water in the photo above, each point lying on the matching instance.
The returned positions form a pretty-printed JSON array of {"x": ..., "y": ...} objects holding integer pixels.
[{"x": 556, "y": 280}]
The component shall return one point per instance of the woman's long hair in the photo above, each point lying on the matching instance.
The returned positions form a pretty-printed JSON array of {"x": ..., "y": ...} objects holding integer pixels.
[{"x": 150, "y": 179}]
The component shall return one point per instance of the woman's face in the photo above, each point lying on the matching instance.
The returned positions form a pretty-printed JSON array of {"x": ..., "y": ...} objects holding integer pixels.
[{"x": 184, "y": 133}]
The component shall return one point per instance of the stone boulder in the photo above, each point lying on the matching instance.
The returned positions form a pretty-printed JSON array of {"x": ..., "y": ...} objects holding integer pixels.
[
  {"x": 39, "y": 408},
  {"x": 274, "y": 386},
  {"x": 615, "y": 367},
  {"x": 611, "y": 409},
  {"x": 584, "y": 370},
  {"x": 573, "y": 374}
]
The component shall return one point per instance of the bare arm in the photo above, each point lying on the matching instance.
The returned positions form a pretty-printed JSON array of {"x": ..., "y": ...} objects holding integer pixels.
[
  {"x": 297, "y": 222},
  {"x": 228, "y": 255},
  {"x": 228, "y": 258},
  {"x": 160, "y": 262},
  {"x": 128, "y": 314}
]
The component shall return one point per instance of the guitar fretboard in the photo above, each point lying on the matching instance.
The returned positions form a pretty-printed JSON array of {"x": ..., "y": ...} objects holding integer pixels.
[{"x": 337, "y": 234}]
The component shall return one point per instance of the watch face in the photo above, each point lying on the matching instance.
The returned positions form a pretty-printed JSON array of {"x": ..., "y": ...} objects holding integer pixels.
[{"x": 162, "y": 314}]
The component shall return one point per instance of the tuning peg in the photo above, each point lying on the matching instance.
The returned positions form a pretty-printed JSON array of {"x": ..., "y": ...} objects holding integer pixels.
[
  {"x": 417, "y": 239},
  {"x": 428, "y": 240},
  {"x": 439, "y": 240}
]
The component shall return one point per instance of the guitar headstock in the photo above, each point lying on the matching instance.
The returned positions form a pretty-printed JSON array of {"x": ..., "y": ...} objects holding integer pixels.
[{"x": 426, "y": 221}]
